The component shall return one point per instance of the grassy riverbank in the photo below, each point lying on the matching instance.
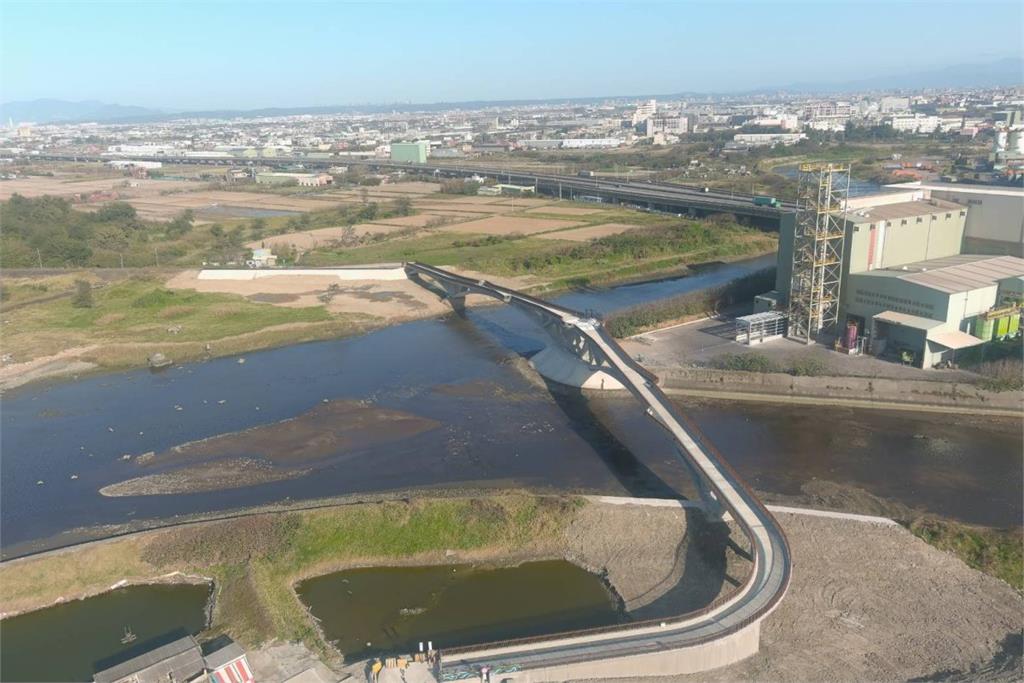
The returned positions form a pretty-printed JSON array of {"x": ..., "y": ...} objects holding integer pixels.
[
  {"x": 254, "y": 561},
  {"x": 128, "y": 318},
  {"x": 637, "y": 319},
  {"x": 659, "y": 246},
  {"x": 996, "y": 552}
]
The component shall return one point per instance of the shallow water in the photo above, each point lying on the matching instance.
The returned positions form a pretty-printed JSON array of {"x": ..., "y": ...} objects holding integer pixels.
[
  {"x": 494, "y": 428},
  {"x": 70, "y": 642},
  {"x": 388, "y": 609}
]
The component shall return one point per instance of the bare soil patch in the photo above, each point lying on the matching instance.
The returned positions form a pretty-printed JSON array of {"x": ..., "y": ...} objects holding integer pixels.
[
  {"x": 874, "y": 603},
  {"x": 416, "y": 221},
  {"x": 311, "y": 239},
  {"x": 564, "y": 210},
  {"x": 590, "y": 232},
  {"x": 64, "y": 185},
  {"x": 390, "y": 300},
  {"x": 509, "y": 225}
]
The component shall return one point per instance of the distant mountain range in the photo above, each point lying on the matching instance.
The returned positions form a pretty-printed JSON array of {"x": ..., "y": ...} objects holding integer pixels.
[
  {"x": 1001, "y": 73},
  {"x": 54, "y": 111}
]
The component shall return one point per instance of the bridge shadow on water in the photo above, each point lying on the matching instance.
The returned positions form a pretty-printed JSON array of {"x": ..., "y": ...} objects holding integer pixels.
[{"x": 701, "y": 569}]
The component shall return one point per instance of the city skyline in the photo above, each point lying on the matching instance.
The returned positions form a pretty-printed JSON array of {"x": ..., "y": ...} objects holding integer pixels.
[{"x": 231, "y": 56}]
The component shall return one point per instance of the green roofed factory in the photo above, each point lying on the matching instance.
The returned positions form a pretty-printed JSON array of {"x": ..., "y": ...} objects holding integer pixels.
[{"x": 889, "y": 274}]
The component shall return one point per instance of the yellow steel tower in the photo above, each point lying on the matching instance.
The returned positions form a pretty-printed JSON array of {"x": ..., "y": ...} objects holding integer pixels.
[{"x": 818, "y": 249}]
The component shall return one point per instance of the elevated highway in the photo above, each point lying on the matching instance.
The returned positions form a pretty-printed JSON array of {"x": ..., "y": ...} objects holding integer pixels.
[
  {"x": 664, "y": 197},
  {"x": 726, "y": 630}
]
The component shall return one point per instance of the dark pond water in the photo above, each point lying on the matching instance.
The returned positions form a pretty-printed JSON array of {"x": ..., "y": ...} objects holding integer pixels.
[
  {"x": 367, "y": 611},
  {"x": 69, "y": 642},
  {"x": 496, "y": 428}
]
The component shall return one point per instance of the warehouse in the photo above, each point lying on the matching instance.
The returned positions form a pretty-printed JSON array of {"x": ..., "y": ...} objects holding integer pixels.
[
  {"x": 413, "y": 152},
  {"x": 995, "y": 222},
  {"x": 923, "y": 313},
  {"x": 882, "y": 231}
]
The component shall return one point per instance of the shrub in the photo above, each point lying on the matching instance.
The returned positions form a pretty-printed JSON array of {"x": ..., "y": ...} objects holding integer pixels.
[
  {"x": 746, "y": 362},
  {"x": 82, "y": 297},
  {"x": 808, "y": 367}
]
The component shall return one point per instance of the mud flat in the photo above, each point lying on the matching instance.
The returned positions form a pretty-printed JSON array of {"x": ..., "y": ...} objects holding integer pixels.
[
  {"x": 871, "y": 602},
  {"x": 219, "y": 476},
  {"x": 273, "y": 452}
]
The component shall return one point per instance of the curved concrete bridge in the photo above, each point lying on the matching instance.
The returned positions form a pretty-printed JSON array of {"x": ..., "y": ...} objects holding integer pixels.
[{"x": 725, "y": 631}]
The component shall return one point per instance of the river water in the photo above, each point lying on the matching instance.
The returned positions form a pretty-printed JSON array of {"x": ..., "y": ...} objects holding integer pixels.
[
  {"x": 69, "y": 642},
  {"x": 366, "y": 612},
  {"x": 494, "y": 427}
]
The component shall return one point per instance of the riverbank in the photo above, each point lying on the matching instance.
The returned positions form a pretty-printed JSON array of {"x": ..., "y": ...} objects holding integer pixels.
[
  {"x": 255, "y": 561},
  {"x": 135, "y": 314},
  {"x": 861, "y": 392},
  {"x": 895, "y": 607}
]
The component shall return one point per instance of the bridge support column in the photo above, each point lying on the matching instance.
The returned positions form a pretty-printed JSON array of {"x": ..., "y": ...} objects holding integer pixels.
[{"x": 558, "y": 365}]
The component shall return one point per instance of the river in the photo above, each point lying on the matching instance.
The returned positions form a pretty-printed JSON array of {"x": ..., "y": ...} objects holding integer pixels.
[{"x": 487, "y": 425}]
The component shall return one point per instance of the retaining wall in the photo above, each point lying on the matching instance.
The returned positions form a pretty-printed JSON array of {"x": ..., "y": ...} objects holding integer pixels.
[
  {"x": 845, "y": 388},
  {"x": 668, "y": 662},
  {"x": 389, "y": 271}
]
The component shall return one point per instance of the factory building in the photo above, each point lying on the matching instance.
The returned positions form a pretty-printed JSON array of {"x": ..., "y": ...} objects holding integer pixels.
[
  {"x": 906, "y": 290},
  {"x": 923, "y": 313},
  {"x": 410, "y": 152},
  {"x": 995, "y": 221}
]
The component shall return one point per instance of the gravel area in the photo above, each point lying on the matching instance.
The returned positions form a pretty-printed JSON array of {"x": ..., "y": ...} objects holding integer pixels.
[
  {"x": 702, "y": 341},
  {"x": 874, "y": 603}
]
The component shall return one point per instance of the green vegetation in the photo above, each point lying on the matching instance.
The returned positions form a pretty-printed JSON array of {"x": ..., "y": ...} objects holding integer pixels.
[
  {"x": 49, "y": 232},
  {"x": 255, "y": 560},
  {"x": 997, "y": 552},
  {"x": 637, "y": 319},
  {"x": 82, "y": 297},
  {"x": 127, "y": 316},
  {"x": 758, "y": 362},
  {"x": 999, "y": 363},
  {"x": 663, "y": 245}
]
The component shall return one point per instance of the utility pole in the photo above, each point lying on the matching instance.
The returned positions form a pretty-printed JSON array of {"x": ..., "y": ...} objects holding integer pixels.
[
  {"x": 39, "y": 255},
  {"x": 156, "y": 255}
]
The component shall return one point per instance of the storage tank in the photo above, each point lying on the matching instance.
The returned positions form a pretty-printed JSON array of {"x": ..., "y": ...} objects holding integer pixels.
[
  {"x": 983, "y": 329},
  {"x": 851, "y": 335}
]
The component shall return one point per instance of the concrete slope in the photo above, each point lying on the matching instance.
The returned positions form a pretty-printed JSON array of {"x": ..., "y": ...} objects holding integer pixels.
[{"x": 740, "y": 610}]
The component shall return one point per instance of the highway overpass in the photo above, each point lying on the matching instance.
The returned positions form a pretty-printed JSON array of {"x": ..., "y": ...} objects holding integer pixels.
[
  {"x": 721, "y": 633},
  {"x": 663, "y": 197}
]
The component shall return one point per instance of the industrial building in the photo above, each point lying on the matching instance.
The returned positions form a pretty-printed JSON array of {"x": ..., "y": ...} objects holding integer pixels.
[
  {"x": 411, "y": 152},
  {"x": 995, "y": 221},
  {"x": 897, "y": 281},
  {"x": 924, "y": 312}
]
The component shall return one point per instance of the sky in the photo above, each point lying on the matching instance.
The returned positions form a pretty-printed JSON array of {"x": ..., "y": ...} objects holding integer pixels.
[{"x": 242, "y": 55}]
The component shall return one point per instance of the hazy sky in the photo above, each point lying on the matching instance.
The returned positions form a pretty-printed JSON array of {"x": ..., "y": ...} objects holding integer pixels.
[{"x": 193, "y": 55}]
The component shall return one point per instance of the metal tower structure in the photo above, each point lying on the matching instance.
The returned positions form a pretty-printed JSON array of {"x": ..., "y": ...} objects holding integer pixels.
[{"x": 818, "y": 240}]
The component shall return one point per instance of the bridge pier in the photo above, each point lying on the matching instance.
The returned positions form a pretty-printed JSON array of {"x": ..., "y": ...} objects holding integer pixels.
[{"x": 558, "y": 365}]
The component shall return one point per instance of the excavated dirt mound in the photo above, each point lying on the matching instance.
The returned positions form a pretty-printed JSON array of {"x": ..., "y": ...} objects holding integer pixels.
[{"x": 874, "y": 603}]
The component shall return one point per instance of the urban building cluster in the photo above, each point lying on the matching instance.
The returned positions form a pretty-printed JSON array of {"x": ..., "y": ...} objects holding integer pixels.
[{"x": 737, "y": 124}]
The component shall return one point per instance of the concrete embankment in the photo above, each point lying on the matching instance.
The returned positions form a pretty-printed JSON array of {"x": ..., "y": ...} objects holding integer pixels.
[{"x": 870, "y": 392}]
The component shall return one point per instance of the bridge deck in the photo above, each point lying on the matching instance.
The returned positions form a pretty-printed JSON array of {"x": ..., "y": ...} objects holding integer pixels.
[{"x": 751, "y": 602}]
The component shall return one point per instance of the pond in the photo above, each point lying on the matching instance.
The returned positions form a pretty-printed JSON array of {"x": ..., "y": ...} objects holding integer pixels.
[
  {"x": 71, "y": 641},
  {"x": 368, "y": 611}
]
